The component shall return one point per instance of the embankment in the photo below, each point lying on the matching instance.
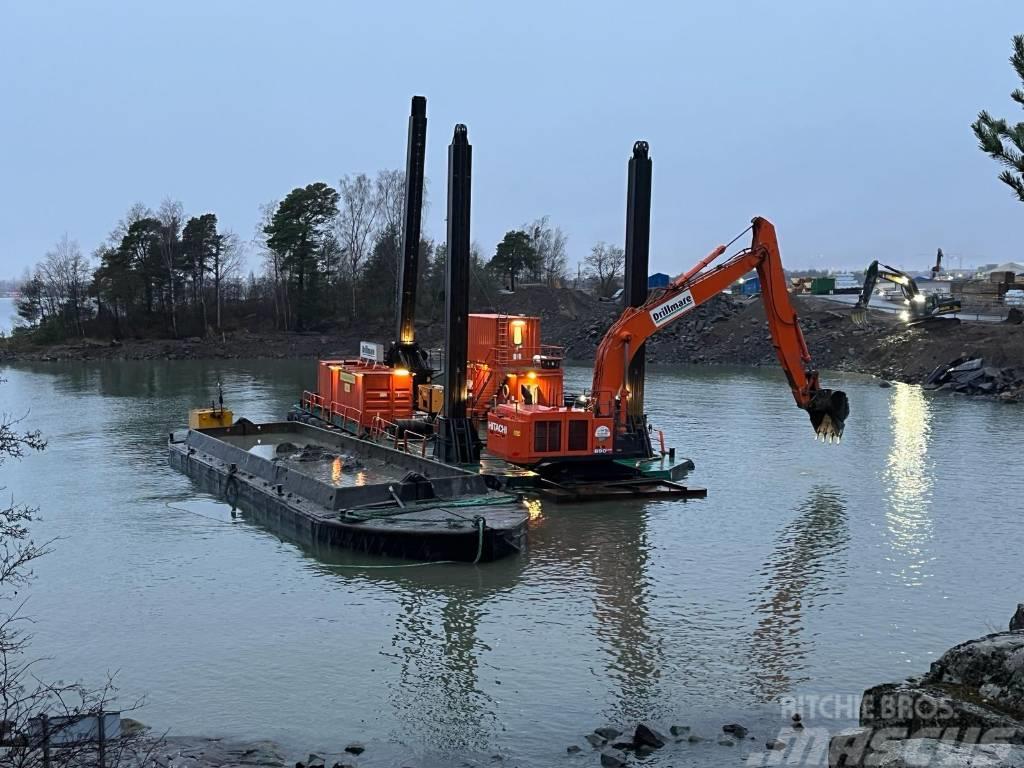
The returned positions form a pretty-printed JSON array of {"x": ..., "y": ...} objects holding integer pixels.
[{"x": 723, "y": 331}]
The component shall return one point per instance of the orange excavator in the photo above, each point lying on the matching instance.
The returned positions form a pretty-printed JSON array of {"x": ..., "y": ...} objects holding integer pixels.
[{"x": 589, "y": 436}]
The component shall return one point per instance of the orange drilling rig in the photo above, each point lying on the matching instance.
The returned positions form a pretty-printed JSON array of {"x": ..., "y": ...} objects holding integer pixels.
[{"x": 588, "y": 438}]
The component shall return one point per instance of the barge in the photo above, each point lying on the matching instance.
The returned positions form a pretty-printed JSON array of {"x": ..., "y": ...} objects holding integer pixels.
[{"x": 327, "y": 488}]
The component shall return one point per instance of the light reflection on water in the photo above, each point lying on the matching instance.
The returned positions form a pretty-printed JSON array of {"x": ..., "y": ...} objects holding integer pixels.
[
  {"x": 803, "y": 570},
  {"x": 909, "y": 481}
]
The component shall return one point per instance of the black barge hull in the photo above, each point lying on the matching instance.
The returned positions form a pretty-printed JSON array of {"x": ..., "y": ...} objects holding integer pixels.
[{"x": 310, "y": 511}]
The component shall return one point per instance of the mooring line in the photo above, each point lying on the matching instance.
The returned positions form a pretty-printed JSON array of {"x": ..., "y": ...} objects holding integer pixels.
[{"x": 172, "y": 505}]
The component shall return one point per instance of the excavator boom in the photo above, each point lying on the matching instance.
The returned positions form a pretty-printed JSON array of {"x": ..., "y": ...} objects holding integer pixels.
[
  {"x": 692, "y": 289},
  {"x": 543, "y": 437}
]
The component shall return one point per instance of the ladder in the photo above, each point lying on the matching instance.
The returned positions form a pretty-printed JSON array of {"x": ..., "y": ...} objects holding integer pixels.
[
  {"x": 480, "y": 382},
  {"x": 460, "y": 442},
  {"x": 501, "y": 350}
]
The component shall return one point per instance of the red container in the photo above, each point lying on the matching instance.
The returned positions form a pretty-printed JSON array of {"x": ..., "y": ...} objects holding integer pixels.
[
  {"x": 503, "y": 338},
  {"x": 357, "y": 390}
]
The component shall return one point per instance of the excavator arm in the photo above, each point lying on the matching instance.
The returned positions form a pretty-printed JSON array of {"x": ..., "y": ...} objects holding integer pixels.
[{"x": 828, "y": 409}]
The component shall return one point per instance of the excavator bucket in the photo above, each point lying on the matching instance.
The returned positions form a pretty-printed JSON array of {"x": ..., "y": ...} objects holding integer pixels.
[
  {"x": 828, "y": 410},
  {"x": 859, "y": 316}
]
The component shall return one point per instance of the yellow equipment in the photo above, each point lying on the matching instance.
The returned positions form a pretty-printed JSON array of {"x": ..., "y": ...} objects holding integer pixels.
[
  {"x": 430, "y": 398},
  {"x": 214, "y": 416},
  {"x": 205, "y": 418}
]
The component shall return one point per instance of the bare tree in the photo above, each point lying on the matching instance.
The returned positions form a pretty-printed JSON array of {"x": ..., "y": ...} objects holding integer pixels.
[
  {"x": 273, "y": 264},
  {"x": 389, "y": 189},
  {"x": 171, "y": 216},
  {"x": 227, "y": 259},
  {"x": 136, "y": 212},
  {"x": 549, "y": 243},
  {"x": 604, "y": 265},
  {"x": 64, "y": 275},
  {"x": 355, "y": 224}
]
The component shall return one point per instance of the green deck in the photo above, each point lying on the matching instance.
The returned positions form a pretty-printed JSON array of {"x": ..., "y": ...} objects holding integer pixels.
[{"x": 660, "y": 467}]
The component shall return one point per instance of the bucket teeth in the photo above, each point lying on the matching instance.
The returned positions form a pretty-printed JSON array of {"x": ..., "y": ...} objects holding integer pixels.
[{"x": 828, "y": 411}]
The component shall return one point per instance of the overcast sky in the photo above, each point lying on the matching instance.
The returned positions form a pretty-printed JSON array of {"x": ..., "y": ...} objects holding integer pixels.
[{"x": 847, "y": 123}]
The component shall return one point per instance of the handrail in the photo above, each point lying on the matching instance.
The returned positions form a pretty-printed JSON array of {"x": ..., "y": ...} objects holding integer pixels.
[
  {"x": 341, "y": 409},
  {"x": 400, "y": 436},
  {"x": 503, "y": 354}
]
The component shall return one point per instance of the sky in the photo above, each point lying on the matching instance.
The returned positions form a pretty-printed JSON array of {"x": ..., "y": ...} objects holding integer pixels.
[{"x": 846, "y": 123}]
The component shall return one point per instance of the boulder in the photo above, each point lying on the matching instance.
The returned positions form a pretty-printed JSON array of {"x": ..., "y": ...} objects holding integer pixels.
[
  {"x": 613, "y": 759},
  {"x": 736, "y": 730},
  {"x": 607, "y": 732},
  {"x": 853, "y": 749},
  {"x": 991, "y": 666},
  {"x": 645, "y": 734},
  {"x": 594, "y": 740},
  {"x": 913, "y": 705},
  {"x": 679, "y": 730},
  {"x": 314, "y": 761},
  {"x": 355, "y": 748},
  {"x": 1016, "y": 623}
]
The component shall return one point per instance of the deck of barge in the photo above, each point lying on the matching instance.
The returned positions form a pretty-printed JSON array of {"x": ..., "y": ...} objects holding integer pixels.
[{"x": 402, "y": 506}]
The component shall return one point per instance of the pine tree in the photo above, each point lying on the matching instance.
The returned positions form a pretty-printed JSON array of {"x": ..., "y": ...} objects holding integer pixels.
[{"x": 1003, "y": 141}]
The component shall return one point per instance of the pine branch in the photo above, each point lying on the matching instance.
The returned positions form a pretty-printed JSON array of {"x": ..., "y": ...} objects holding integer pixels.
[
  {"x": 988, "y": 136},
  {"x": 1012, "y": 159},
  {"x": 1017, "y": 59},
  {"x": 1016, "y": 135},
  {"x": 1014, "y": 182}
]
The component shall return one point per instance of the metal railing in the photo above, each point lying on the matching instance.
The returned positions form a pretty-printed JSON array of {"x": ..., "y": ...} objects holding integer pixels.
[
  {"x": 381, "y": 429},
  {"x": 349, "y": 422}
]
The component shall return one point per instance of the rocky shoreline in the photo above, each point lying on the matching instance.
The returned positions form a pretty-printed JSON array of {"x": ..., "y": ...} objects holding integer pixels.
[
  {"x": 723, "y": 331},
  {"x": 967, "y": 710}
]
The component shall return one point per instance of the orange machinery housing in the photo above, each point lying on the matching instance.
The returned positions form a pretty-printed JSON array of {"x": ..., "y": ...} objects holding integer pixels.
[
  {"x": 508, "y": 364},
  {"x": 359, "y": 391},
  {"x": 530, "y": 434}
]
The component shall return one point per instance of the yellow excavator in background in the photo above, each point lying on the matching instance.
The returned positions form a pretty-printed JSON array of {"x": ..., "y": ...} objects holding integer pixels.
[{"x": 920, "y": 307}]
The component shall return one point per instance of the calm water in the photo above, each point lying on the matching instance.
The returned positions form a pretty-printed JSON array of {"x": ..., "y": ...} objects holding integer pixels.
[{"x": 808, "y": 569}]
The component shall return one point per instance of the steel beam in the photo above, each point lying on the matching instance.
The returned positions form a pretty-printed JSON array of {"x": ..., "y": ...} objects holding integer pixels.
[
  {"x": 459, "y": 442},
  {"x": 638, "y": 241}
]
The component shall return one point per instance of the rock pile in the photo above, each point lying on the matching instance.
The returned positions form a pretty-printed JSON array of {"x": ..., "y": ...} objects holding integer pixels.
[
  {"x": 973, "y": 377},
  {"x": 614, "y": 746},
  {"x": 967, "y": 710}
]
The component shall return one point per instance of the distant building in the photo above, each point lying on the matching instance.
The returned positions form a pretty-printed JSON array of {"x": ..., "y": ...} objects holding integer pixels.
[
  {"x": 658, "y": 280},
  {"x": 1007, "y": 266}
]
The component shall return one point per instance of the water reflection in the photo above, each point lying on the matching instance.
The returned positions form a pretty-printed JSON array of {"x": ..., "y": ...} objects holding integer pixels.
[
  {"x": 808, "y": 562},
  {"x": 908, "y": 483},
  {"x": 603, "y": 553},
  {"x": 439, "y": 698},
  {"x": 442, "y": 694}
]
